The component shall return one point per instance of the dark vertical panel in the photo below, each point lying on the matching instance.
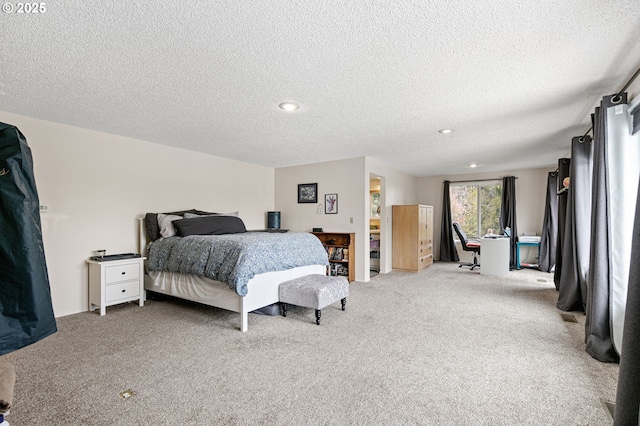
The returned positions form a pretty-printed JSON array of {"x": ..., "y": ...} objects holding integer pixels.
[
  {"x": 577, "y": 235},
  {"x": 508, "y": 215},
  {"x": 598, "y": 337},
  {"x": 448, "y": 252},
  {"x": 628, "y": 394},
  {"x": 549, "y": 234},
  {"x": 564, "y": 170}
]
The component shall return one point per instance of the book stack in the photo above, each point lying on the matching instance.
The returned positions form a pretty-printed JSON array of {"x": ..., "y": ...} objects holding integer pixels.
[{"x": 336, "y": 253}]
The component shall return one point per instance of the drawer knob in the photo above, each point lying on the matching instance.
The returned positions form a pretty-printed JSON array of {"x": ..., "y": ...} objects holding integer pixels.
[
  {"x": 123, "y": 273},
  {"x": 124, "y": 291}
]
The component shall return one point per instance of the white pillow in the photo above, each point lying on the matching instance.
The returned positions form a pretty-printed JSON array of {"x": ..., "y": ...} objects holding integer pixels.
[{"x": 165, "y": 223}]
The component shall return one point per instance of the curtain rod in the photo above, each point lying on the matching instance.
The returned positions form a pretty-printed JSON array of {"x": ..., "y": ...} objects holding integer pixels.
[
  {"x": 620, "y": 92},
  {"x": 476, "y": 180}
]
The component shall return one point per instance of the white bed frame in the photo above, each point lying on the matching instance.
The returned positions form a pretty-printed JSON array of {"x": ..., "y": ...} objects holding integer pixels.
[{"x": 262, "y": 289}]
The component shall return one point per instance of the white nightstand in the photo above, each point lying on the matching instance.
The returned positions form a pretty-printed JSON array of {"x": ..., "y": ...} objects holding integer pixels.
[{"x": 116, "y": 281}]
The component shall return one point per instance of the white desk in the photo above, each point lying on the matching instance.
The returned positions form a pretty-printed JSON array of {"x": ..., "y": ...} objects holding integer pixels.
[{"x": 495, "y": 256}]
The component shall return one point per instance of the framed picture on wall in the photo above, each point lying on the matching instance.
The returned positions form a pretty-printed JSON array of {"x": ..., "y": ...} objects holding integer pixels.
[
  {"x": 331, "y": 203},
  {"x": 308, "y": 193}
]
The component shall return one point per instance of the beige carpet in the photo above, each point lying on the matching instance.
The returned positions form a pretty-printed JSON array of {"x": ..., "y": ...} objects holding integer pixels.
[{"x": 445, "y": 346}]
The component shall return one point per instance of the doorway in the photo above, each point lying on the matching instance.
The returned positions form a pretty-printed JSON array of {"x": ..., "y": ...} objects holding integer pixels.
[{"x": 376, "y": 223}]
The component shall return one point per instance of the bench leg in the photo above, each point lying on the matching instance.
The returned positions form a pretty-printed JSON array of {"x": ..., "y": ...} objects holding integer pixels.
[
  {"x": 284, "y": 309},
  {"x": 344, "y": 302},
  {"x": 318, "y": 316}
]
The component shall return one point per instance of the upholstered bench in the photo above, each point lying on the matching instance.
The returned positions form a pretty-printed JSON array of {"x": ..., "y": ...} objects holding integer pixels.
[{"x": 313, "y": 291}]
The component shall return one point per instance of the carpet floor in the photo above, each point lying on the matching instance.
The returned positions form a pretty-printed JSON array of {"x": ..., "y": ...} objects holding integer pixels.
[{"x": 445, "y": 346}]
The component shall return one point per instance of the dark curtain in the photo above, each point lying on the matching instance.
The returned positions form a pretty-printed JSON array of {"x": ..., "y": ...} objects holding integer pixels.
[
  {"x": 26, "y": 313},
  {"x": 508, "y": 215},
  {"x": 564, "y": 166},
  {"x": 448, "y": 252},
  {"x": 549, "y": 234},
  {"x": 598, "y": 332},
  {"x": 628, "y": 394},
  {"x": 577, "y": 235}
]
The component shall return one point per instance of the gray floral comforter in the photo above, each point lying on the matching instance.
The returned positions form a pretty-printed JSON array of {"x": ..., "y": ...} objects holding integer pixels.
[{"x": 235, "y": 258}]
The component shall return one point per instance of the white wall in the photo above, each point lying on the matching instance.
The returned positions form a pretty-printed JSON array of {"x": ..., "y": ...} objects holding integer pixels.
[
  {"x": 95, "y": 185},
  {"x": 531, "y": 187},
  {"x": 342, "y": 177},
  {"x": 350, "y": 180}
]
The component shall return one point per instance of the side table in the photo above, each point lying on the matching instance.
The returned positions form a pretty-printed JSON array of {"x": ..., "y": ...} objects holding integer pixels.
[{"x": 115, "y": 281}]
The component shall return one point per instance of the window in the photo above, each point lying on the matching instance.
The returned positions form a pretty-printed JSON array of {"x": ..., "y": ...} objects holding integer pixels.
[{"x": 476, "y": 206}]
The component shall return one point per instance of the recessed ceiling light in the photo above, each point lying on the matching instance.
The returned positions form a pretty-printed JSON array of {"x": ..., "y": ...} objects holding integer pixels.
[
  {"x": 289, "y": 106},
  {"x": 445, "y": 131},
  {"x": 473, "y": 165}
]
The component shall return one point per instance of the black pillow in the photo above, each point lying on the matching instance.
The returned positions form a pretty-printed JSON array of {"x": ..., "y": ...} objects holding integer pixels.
[
  {"x": 151, "y": 222},
  {"x": 209, "y": 225}
]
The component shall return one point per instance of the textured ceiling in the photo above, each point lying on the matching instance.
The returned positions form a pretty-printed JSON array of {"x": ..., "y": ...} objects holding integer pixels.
[{"x": 514, "y": 80}]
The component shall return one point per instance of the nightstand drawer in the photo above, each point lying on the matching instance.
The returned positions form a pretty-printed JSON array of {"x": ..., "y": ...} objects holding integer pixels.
[
  {"x": 115, "y": 274},
  {"x": 122, "y": 291}
]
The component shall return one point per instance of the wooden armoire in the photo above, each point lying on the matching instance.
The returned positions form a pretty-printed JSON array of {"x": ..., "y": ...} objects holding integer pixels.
[{"x": 412, "y": 237}]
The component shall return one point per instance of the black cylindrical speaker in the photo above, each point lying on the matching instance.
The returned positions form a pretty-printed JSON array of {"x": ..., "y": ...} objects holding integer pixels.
[{"x": 273, "y": 220}]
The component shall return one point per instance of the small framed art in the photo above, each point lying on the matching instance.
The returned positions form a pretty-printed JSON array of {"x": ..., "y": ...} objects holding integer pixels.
[
  {"x": 308, "y": 193},
  {"x": 331, "y": 203}
]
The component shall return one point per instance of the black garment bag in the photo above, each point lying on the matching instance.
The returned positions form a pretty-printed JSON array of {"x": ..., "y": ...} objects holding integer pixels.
[{"x": 26, "y": 313}]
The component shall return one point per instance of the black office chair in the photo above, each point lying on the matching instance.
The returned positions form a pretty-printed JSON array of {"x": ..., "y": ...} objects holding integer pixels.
[{"x": 468, "y": 245}]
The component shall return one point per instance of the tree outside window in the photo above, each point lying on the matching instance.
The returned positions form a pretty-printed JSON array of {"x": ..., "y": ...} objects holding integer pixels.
[{"x": 476, "y": 207}]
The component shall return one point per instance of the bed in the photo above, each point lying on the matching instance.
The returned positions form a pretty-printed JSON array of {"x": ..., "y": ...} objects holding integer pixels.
[{"x": 210, "y": 258}]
